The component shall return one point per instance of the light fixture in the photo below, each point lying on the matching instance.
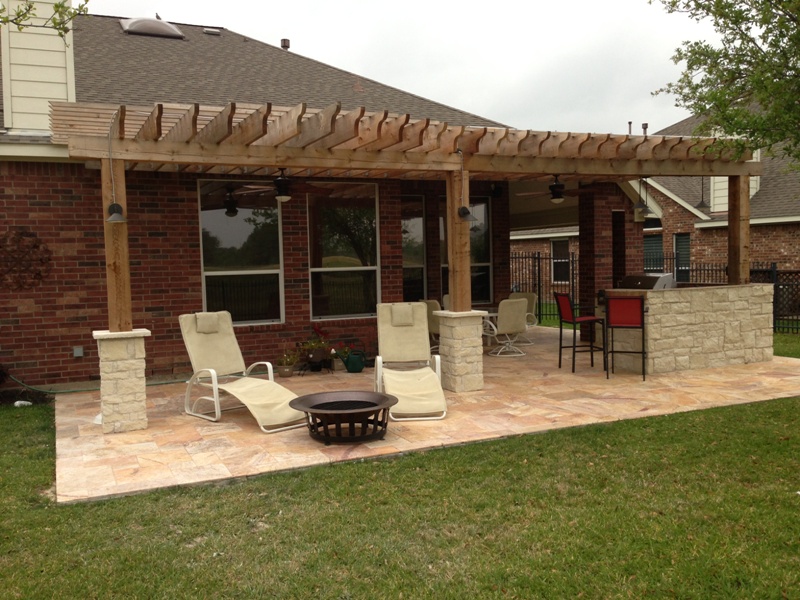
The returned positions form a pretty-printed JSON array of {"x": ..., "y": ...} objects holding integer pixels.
[
  {"x": 115, "y": 213},
  {"x": 702, "y": 205},
  {"x": 465, "y": 215},
  {"x": 282, "y": 193},
  {"x": 231, "y": 206},
  {"x": 556, "y": 191}
]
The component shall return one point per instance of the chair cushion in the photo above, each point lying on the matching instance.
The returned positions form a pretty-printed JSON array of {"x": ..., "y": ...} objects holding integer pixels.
[
  {"x": 418, "y": 391},
  {"x": 267, "y": 401}
]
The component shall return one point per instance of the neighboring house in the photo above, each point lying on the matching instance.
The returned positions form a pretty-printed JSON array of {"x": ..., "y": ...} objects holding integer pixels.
[
  {"x": 689, "y": 216},
  {"x": 692, "y": 213}
]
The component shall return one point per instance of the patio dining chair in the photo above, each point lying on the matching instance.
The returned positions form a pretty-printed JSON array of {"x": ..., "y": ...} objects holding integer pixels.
[
  {"x": 405, "y": 367},
  {"x": 530, "y": 317},
  {"x": 511, "y": 324},
  {"x": 218, "y": 366},
  {"x": 566, "y": 315}
]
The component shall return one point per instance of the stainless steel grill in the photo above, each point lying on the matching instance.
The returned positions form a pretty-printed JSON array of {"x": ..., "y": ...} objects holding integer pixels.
[{"x": 652, "y": 281}]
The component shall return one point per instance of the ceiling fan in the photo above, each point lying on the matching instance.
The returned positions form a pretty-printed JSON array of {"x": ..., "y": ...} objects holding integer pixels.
[{"x": 557, "y": 192}]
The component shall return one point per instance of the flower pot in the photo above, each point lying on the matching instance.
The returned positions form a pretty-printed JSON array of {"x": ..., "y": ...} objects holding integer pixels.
[{"x": 285, "y": 370}]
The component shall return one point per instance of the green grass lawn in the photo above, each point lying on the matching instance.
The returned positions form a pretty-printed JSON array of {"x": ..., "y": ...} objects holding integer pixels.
[{"x": 693, "y": 505}]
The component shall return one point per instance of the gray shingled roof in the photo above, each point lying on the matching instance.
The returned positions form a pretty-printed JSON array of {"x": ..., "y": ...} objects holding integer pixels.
[
  {"x": 778, "y": 194},
  {"x": 112, "y": 66}
]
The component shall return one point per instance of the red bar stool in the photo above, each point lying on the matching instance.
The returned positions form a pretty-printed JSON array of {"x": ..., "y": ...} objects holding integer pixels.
[
  {"x": 626, "y": 312},
  {"x": 566, "y": 315}
]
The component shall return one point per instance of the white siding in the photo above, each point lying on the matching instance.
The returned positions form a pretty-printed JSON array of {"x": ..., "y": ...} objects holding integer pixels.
[{"x": 37, "y": 68}]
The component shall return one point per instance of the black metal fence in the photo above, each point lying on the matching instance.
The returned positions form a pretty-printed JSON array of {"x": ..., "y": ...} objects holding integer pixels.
[{"x": 545, "y": 274}]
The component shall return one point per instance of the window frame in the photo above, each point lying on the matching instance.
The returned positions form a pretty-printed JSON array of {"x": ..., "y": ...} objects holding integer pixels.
[
  {"x": 279, "y": 271},
  {"x": 376, "y": 268}
]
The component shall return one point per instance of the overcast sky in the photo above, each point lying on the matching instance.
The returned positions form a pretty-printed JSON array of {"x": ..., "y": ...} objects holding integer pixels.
[{"x": 565, "y": 65}]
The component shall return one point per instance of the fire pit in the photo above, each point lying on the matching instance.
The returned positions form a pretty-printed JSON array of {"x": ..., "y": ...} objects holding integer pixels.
[{"x": 353, "y": 416}]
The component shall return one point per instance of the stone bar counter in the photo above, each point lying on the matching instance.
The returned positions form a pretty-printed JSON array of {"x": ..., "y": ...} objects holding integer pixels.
[{"x": 698, "y": 327}]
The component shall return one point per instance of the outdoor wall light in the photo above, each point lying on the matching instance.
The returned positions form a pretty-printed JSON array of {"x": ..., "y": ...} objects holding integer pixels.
[
  {"x": 465, "y": 215},
  {"x": 115, "y": 213},
  {"x": 282, "y": 191}
]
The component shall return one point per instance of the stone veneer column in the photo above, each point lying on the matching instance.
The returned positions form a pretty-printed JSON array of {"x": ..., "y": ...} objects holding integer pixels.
[
  {"x": 461, "y": 349},
  {"x": 122, "y": 382}
]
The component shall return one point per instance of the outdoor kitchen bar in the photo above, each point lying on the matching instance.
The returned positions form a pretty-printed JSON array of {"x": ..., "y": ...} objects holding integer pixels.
[{"x": 697, "y": 327}]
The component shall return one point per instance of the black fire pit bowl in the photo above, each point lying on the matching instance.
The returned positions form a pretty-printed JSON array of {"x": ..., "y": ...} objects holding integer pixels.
[{"x": 346, "y": 416}]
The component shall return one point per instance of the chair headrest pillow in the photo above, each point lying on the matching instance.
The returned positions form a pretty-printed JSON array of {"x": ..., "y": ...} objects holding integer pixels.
[
  {"x": 207, "y": 322},
  {"x": 402, "y": 315}
]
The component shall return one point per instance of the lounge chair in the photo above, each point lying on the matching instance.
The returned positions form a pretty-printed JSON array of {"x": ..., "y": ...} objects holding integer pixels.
[
  {"x": 404, "y": 367},
  {"x": 218, "y": 365},
  {"x": 433, "y": 323}
]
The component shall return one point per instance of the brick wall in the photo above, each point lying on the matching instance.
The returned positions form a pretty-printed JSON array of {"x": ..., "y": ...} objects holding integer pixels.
[{"x": 62, "y": 205}]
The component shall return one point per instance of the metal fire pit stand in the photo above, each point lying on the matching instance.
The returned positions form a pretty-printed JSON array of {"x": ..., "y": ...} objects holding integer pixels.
[{"x": 345, "y": 416}]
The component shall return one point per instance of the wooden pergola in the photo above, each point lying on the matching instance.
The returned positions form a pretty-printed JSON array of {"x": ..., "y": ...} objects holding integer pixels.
[{"x": 258, "y": 140}]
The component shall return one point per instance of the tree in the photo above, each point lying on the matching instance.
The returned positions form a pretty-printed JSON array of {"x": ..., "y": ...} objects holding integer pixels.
[
  {"x": 24, "y": 13},
  {"x": 747, "y": 85}
]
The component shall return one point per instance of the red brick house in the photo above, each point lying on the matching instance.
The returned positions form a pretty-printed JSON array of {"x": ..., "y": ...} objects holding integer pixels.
[{"x": 188, "y": 133}]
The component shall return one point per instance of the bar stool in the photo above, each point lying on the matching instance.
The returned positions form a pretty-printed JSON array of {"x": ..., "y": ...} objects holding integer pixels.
[
  {"x": 566, "y": 315},
  {"x": 625, "y": 312}
]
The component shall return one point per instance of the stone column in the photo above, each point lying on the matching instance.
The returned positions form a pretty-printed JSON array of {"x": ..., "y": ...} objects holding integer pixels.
[
  {"x": 461, "y": 349},
  {"x": 122, "y": 381}
]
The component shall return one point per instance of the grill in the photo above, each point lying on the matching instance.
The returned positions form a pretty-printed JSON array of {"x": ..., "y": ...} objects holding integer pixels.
[{"x": 654, "y": 281}]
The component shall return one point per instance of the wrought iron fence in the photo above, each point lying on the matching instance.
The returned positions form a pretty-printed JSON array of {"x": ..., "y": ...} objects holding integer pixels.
[{"x": 544, "y": 274}]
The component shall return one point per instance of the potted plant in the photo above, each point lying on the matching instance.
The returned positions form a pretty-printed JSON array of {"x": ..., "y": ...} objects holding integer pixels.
[
  {"x": 316, "y": 349},
  {"x": 286, "y": 362}
]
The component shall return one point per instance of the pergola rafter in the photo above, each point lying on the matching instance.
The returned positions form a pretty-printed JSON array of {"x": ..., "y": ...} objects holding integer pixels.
[{"x": 240, "y": 138}]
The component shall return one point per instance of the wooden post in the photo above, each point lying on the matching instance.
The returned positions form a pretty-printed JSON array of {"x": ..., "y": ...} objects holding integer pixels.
[
  {"x": 738, "y": 229},
  {"x": 118, "y": 268},
  {"x": 458, "y": 252}
]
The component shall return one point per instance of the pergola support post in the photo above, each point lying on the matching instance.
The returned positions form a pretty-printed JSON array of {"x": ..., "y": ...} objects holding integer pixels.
[
  {"x": 121, "y": 348},
  {"x": 460, "y": 327},
  {"x": 739, "y": 230}
]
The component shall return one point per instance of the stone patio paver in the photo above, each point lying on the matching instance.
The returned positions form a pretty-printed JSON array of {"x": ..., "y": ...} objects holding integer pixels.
[{"x": 522, "y": 395}]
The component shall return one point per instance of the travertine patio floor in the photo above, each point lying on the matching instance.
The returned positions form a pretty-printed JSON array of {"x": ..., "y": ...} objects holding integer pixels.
[{"x": 521, "y": 396}]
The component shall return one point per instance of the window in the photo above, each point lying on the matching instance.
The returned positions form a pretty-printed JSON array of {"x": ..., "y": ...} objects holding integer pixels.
[
  {"x": 241, "y": 242},
  {"x": 654, "y": 253},
  {"x": 343, "y": 249},
  {"x": 413, "y": 224},
  {"x": 561, "y": 261},
  {"x": 480, "y": 242},
  {"x": 682, "y": 258}
]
